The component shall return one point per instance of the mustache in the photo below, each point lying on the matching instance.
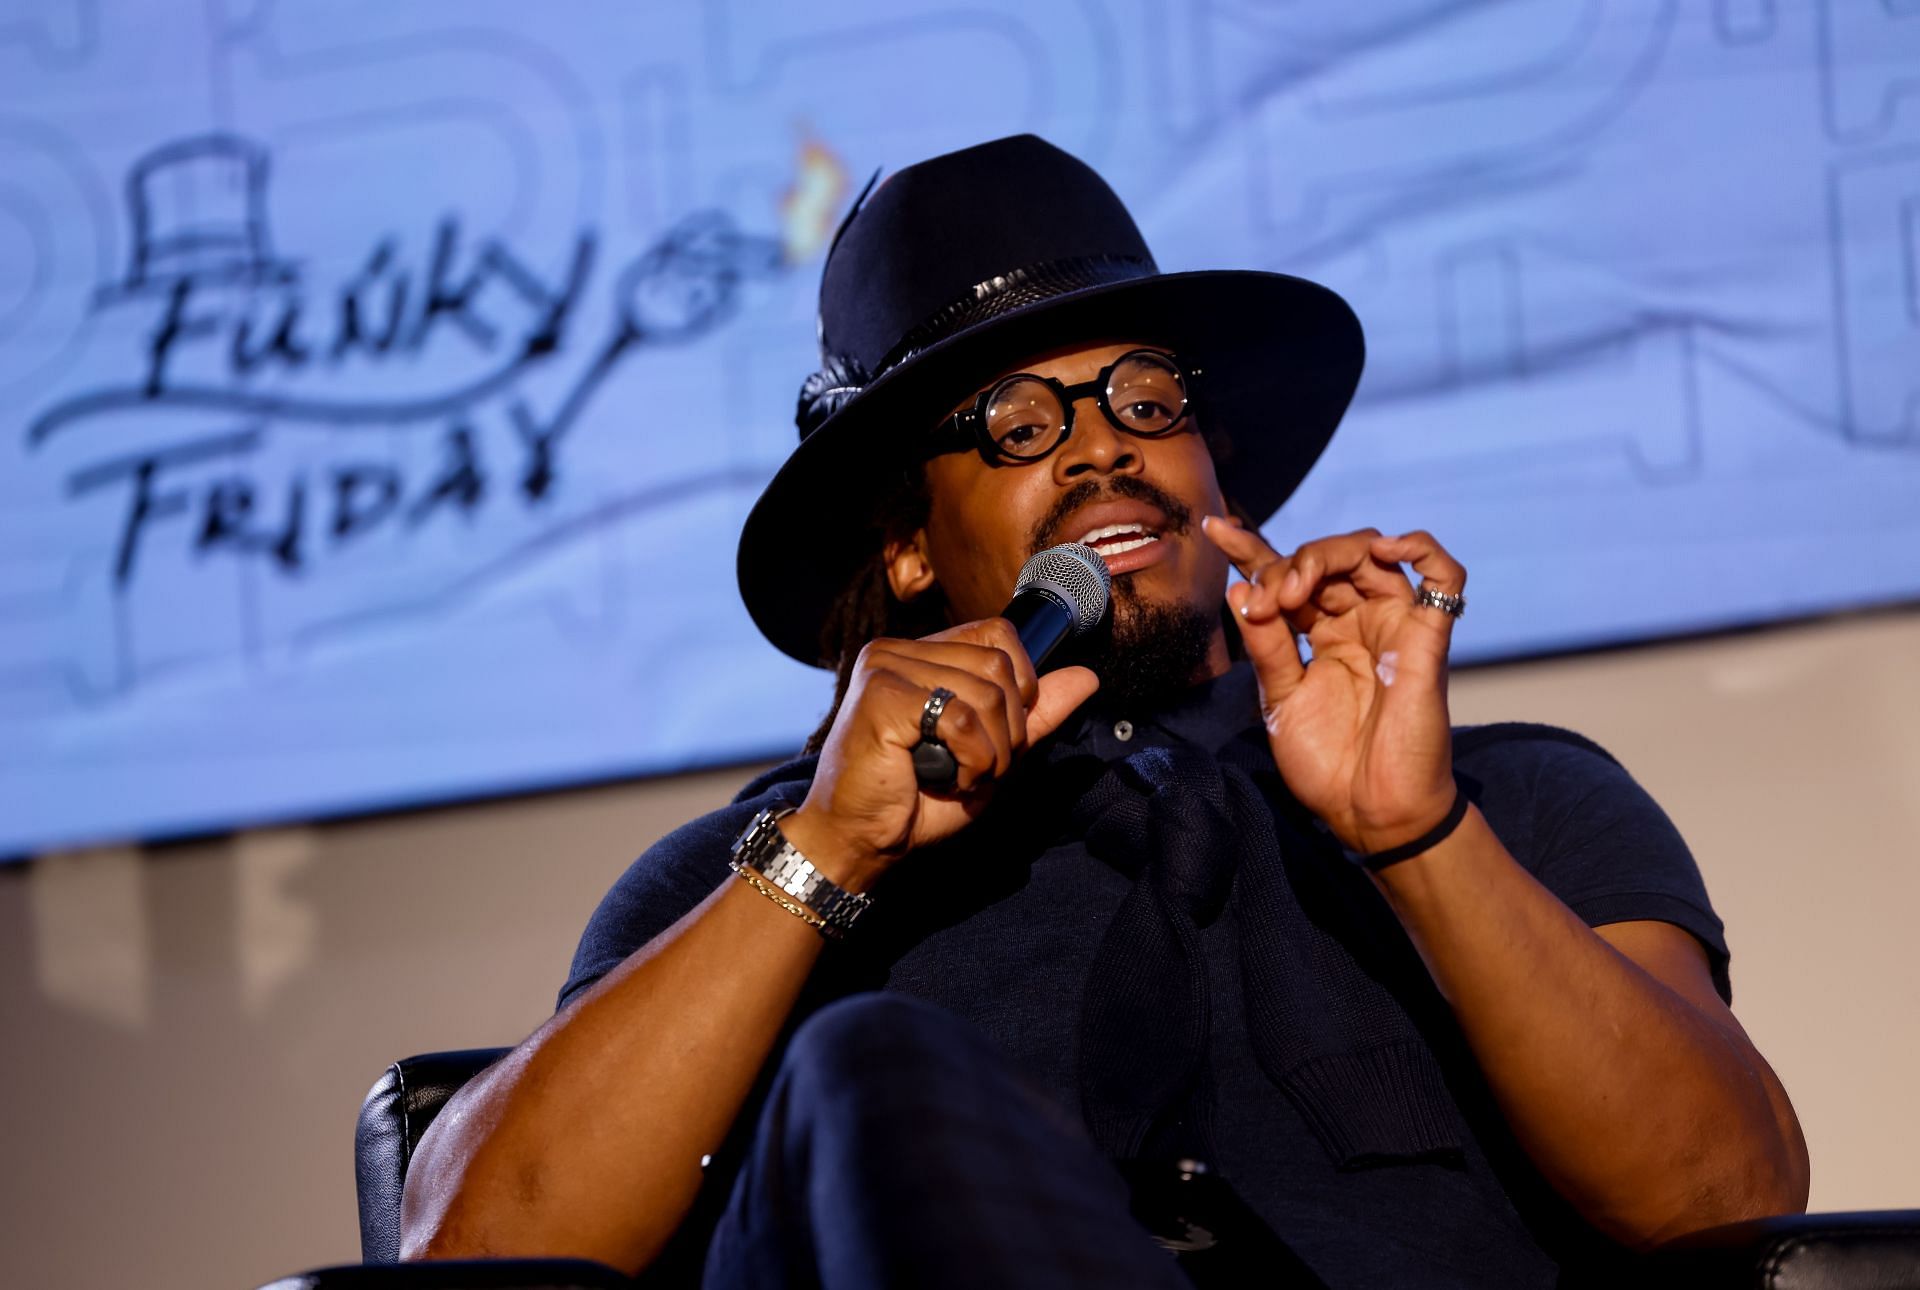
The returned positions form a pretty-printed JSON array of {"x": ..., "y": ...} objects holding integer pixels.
[{"x": 1046, "y": 533}]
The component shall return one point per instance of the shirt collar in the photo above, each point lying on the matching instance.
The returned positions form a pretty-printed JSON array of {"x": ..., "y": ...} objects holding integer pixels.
[{"x": 1208, "y": 715}]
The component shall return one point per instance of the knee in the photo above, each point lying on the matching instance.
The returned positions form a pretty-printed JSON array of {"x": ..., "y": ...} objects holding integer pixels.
[{"x": 874, "y": 1034}]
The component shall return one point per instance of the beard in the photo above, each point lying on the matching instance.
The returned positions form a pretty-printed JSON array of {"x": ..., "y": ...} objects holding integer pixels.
[{"x": 1146, "y": 652}]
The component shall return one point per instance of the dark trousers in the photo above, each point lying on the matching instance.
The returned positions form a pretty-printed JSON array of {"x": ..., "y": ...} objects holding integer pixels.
[{"x": 899, "y": 1147}]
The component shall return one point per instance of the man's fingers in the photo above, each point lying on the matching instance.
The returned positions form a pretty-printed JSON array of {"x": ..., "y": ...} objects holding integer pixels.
[
  {"x": 1061, "y": 691},
  {"x": 1272, "y": 647},
  {"x": 988, "y": 662},
  {"x": 1436, "y": 568},
  {"x": 1335, "y": 596},
  {"x": 1350, "y": 557},
  {"x": 976, "y": 756},
  {"x": 1245, "y": 547},
  {"x": 1261, "y": 565},
  {"x": 998, "y": 634},
  {"x": 1328, "y": 576},
  {"x": 1305, "y": 602},
  {"x": 976, "y": 702},
  {"x": 1429, "y": 559}
]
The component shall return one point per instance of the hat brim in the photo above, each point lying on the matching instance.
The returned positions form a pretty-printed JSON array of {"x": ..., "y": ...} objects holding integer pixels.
[{"x": 1281, "y": 359}]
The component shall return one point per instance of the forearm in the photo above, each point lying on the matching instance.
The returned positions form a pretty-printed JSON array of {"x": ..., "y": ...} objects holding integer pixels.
[
  {"x": 586, "y": 1140},
  {"x": 1649, "y": 1115}
]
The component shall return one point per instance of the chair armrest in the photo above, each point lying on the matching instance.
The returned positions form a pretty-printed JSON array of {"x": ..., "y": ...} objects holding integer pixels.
[
  {"x": 396, "y": 1113},
  {"x": 461, "y": 1274},
  {"x": 1875, "y": 1250}
]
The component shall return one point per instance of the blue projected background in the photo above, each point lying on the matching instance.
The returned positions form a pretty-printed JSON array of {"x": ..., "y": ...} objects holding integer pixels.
[{"x": 382, "y": 386}]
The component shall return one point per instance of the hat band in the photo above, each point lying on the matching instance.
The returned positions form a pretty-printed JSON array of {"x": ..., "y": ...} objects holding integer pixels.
[
  {"x": 1005, "y": 292},
  {"x": 841, "y": 377}
]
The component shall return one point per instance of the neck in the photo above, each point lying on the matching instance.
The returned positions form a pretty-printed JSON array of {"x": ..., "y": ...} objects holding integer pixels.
[{"x": 1219, "y": 658}]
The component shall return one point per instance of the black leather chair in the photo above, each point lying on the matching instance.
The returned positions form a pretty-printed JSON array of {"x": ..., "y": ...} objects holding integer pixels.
[
  {"x": 396, "y": 1112},
  {"x": 1865, "y": 1251}
]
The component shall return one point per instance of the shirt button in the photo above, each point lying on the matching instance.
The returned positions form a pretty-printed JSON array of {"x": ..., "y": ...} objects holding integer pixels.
[{"x": 1123, "y": 730}]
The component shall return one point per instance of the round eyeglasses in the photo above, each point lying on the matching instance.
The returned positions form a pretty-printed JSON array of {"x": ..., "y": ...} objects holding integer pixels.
[{"x": 1024, "y": 417}]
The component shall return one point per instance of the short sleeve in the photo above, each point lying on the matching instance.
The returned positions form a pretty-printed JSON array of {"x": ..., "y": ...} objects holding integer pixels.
[
  {"x": 1581, "y": 824},
  {"x": 672, "y": 876}
]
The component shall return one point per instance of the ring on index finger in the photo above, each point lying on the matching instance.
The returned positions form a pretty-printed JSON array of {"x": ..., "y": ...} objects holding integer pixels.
[
  {"x": 930, "y": 714},
  {"x": 1451, "y": 605}
]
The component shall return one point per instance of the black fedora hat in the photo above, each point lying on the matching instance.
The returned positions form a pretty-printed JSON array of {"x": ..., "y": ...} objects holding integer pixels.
[{"x": 958, "y": 266}]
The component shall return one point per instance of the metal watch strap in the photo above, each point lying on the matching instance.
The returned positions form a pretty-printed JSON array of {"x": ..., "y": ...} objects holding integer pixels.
[{"x": 764, "y": 849}]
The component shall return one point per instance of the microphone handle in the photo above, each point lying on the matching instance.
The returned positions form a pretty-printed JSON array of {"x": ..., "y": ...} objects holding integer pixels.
[{"x": 1042, "y": 622}]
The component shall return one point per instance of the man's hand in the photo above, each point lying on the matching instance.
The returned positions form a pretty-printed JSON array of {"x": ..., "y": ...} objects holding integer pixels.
[
  {"x": 1620, "y": 1071},
  {"x": 866, "y": 809},
  {"x": 538, "y": 1155},
  {"x": 1361, "y": 733}
]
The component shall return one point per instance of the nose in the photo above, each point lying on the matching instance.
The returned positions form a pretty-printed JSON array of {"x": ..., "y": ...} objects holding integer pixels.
[{"x": 1095, "y": 447}]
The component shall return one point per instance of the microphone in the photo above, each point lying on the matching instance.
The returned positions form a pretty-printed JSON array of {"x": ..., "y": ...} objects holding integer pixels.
[{"x": 1061, "y": 593}]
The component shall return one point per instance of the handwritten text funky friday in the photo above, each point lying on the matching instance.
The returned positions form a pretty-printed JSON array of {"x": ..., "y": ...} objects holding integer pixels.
[{"x": 492, "y": 303}]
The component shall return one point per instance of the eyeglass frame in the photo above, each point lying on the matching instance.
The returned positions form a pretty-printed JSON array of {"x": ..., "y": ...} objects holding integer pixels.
[{"x": 967, "y": 428}]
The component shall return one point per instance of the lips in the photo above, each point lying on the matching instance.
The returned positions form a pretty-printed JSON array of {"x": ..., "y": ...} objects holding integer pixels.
[{"x": 1128, "y": 534}]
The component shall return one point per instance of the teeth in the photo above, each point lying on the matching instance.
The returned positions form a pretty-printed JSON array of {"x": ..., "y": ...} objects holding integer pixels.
[
  {"x": 1111, "y": 530},
  {"x": 1134, "y": 545}
]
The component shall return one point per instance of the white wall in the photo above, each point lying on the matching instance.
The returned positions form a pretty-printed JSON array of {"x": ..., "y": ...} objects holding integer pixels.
[{"x": 185, "y": 1034}]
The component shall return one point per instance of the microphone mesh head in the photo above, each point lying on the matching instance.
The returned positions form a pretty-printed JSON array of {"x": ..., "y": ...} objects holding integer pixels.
[{"x": 1075, "y": 571}]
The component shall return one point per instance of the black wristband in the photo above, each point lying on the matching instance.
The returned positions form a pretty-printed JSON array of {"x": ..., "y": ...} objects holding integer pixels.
[{"x": 1426, "y": 841}]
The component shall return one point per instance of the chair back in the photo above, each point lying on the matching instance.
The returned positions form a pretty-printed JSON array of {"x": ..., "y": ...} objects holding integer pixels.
[{"x": 396, "y": 1112}]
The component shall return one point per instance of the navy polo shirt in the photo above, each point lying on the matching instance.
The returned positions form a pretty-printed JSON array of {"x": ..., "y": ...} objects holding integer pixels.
[{"x": 1006, "y": 940}]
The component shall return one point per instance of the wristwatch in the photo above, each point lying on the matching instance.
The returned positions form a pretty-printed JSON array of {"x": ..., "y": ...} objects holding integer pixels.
[{"x": 763, "y": 851}]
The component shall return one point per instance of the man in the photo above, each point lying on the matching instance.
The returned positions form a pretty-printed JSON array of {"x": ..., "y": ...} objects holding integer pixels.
[{"x": 1446, "y": 1007}]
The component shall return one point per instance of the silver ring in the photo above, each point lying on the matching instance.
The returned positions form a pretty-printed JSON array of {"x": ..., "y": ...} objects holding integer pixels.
[
  {"x": 930, "y": 714},
  {"x": 1428, "y": 594}
]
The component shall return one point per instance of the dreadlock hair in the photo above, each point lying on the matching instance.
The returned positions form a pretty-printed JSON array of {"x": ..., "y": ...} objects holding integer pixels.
[{"x": 867, "y": 608}]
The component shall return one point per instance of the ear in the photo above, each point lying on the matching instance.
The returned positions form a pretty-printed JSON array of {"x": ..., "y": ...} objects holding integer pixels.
[{"x": 909, "y": 571}]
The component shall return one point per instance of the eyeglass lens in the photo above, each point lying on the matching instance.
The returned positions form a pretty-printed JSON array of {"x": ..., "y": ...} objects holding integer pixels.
[{"x": 1144, "y": 395}]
